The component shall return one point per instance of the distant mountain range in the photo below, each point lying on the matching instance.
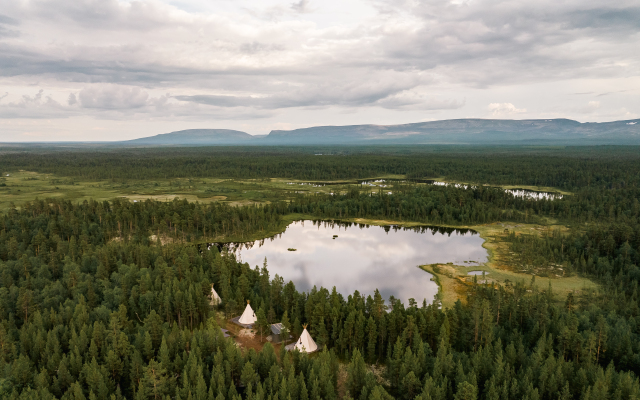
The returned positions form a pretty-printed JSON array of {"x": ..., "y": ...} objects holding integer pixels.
[
  {"x": 195, "y": 137},
  {"x": 455, "y": 131}
]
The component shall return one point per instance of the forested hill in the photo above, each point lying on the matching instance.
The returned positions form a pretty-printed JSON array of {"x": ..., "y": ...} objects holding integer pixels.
[
  {"x": 458, "y": 131},
  {"x": 194, "y": 137},
  {"x": 470, "y": 131}
]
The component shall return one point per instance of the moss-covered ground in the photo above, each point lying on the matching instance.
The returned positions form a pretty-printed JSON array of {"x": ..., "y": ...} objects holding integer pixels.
[
  {"x": 23, "y": 186},
  {"x": 454, "y": 280}
]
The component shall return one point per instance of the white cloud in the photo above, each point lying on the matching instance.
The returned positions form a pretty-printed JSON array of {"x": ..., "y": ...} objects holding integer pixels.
[
  {"x": 591, "y": 107},
  {"x": 504, "y": 109},
  {"x": 38, "y": 105}
]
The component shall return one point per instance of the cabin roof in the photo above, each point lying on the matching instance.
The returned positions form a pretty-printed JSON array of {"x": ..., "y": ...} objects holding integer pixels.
[{"x": 276, "y": 329}]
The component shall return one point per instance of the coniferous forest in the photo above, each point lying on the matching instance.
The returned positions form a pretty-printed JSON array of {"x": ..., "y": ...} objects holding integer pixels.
[{"x": 109, "y": 299}]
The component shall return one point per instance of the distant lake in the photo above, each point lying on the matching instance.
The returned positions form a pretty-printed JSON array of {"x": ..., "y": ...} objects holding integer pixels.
[
  {"x": 362, "y": 257},
  {"x": 386, "y": 183}
]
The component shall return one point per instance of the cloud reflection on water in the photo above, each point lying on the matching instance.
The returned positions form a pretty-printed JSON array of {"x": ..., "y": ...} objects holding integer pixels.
[{"x": 363, "y": 258}]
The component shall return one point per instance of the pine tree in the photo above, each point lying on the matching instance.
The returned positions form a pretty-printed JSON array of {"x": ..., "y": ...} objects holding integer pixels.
[
  {"x": 114, "y": 364},
  {"x": 262, "y": 325},
  {"x": 42, "y": 380},
  {"x": 286, "y": 329},
  {"x": 248, "y": 376},
  {"x": 201, "y": 387},
  {"x": 164, "y": 355},
  {"x": 155, "y": 380},
  {"x": 75, "y": 392},
  {"x": 372, "y": 336},
  {"x": 357, "y": 372},
  {"x": 378, "y": 393},
  {"x": 147, "y": 346},
  {"x": 21, "y": 371},
  {"x": 466, "y": 391},
  {"x": 304, "y": 395}
]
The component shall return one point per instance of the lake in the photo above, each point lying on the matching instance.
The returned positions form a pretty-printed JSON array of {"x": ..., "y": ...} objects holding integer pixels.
[
  {"x": 363, "y": 257},
  {"x": 387, "y": 183}
]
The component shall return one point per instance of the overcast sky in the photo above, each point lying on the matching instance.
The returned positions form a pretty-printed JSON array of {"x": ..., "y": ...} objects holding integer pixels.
[{"x": 112, "y": 70}]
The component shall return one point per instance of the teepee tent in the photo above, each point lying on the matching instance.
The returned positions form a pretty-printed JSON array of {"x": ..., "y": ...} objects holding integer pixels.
[
  {"x": 306, "y": 343},
  {"x": 248, "y": 317},
  {"x": 215, "y": 299}
]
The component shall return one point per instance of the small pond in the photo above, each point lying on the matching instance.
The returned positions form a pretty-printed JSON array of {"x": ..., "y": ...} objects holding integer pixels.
[
  {"x": 384, "y": 183},
  {"x": 530, "y": 194},
  {"x": 362, "y": 257},
  {"x": 477, "y": 273},
  {"x": 524, "y": 193}
]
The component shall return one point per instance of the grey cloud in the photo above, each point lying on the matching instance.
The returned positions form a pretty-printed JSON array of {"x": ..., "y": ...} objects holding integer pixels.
[
  {"x": 113, "y": 97},
  {"x": 257, "y": 47},
  {"x": 525, "y": 39},
  {"x": 605, "y": 18},
  {"x": 222, "y": 101},
  {"x": 345, "y": 92},
  {"x": 118, "y": 66},
  {"x": 38, "y": 105},
  {"x": 4, "y": 19},
  {"x": 390, "y": 61},
  {"x": 106, "y": 68},
  {"x": 506, "y": 42},
  {"x": 102, "y": 14},
  {"x": 403, "y": 101},
  {"x": 302, "y": 6},
  {"x": 26, "y": 99},
  {"x": 119, "y": 103},
  {"x": 6, "y": 32},
  {"x": 608, "y": 93}
]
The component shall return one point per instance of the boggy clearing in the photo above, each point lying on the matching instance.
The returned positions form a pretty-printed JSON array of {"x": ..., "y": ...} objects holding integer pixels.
[
  {"x": 503, "y": 266},
  {"x": 22, "y": 186}
]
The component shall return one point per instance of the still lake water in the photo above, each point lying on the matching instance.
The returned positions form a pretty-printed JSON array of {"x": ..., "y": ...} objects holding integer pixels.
[
  {"x": 384, "y": 183},
  {"x": 363, "y": 257}
]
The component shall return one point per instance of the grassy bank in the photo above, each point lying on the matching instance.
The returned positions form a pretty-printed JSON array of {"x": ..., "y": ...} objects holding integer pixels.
[{"x": 455, "y": 279}]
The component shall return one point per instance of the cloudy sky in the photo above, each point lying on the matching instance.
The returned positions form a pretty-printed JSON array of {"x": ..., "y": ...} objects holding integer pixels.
[{"x": 115, "y": 69}]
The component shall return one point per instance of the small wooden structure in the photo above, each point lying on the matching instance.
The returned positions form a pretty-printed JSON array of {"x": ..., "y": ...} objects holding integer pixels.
[{"x": 276, "y": 333}]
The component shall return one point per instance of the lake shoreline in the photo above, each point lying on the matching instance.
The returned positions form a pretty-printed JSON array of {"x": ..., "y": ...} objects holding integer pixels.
[{"x": 383, "y": 257}]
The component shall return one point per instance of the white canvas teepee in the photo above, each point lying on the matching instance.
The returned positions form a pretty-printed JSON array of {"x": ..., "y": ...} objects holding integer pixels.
[
  {"x": 248, "y": 317},
  {"x": 306, "y": 343},
  {"x": 215, "y": 299}
]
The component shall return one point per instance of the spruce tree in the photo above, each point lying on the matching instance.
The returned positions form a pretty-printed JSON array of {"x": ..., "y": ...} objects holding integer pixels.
[
  {"x": 262, "y": 325},
  {"x": 357, "y": 372},
  {"x": 155, "y": 380}
]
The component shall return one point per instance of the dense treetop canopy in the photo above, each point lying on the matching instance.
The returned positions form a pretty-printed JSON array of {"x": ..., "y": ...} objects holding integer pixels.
[{"x": 103, "y": 300}]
